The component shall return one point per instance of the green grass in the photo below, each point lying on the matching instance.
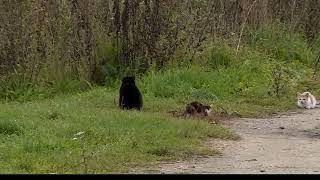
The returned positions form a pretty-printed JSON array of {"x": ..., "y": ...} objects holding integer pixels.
[
  {"x": 244, "y": 91},
  {"x": 9, "y": 127},
  {"x": 38, "y": 136}
]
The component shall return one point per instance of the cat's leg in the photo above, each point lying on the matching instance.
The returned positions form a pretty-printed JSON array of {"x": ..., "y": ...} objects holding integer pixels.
[
  {"x": 299, "y": 105},
  {"x": 308, "y": 107}
]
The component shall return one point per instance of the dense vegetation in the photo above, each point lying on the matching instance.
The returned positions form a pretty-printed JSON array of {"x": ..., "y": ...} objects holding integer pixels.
[{"x": 59, "y": 45}]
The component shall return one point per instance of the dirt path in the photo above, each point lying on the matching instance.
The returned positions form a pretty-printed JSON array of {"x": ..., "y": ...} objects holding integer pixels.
[{"x": 279, "y": 145}]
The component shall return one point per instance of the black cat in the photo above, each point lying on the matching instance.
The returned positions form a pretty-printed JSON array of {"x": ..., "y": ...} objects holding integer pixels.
[{"x": 129, "y": 96}]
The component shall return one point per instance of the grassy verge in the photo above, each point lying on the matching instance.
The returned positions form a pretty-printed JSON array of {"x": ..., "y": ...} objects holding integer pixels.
[{"x": 43, "y": 136}]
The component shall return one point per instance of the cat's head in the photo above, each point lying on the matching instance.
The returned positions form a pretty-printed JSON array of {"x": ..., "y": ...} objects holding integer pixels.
[
  {"x": 208, "y": 109},
  {"x": 303, "y": 98},
  {"x": 128, "y": 80}
]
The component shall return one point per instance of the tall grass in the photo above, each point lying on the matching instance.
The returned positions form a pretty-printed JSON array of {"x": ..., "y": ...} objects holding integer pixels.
[
  {"x": 277, "y": 41},
  {"x": 265, "y": 74},
  {"x": 271, "y": 66}
]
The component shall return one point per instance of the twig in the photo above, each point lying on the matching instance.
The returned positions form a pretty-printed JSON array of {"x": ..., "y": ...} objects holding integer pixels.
[
  {"x": 241, "y": 32},
  {"x": 292, "y": 25}
]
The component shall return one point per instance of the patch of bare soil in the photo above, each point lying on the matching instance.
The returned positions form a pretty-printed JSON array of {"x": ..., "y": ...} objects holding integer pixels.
[{"x": 212, "y": 118}]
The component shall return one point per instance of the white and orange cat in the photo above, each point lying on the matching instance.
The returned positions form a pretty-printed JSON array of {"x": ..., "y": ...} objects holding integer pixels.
[{"x": 306, "y": 100}]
